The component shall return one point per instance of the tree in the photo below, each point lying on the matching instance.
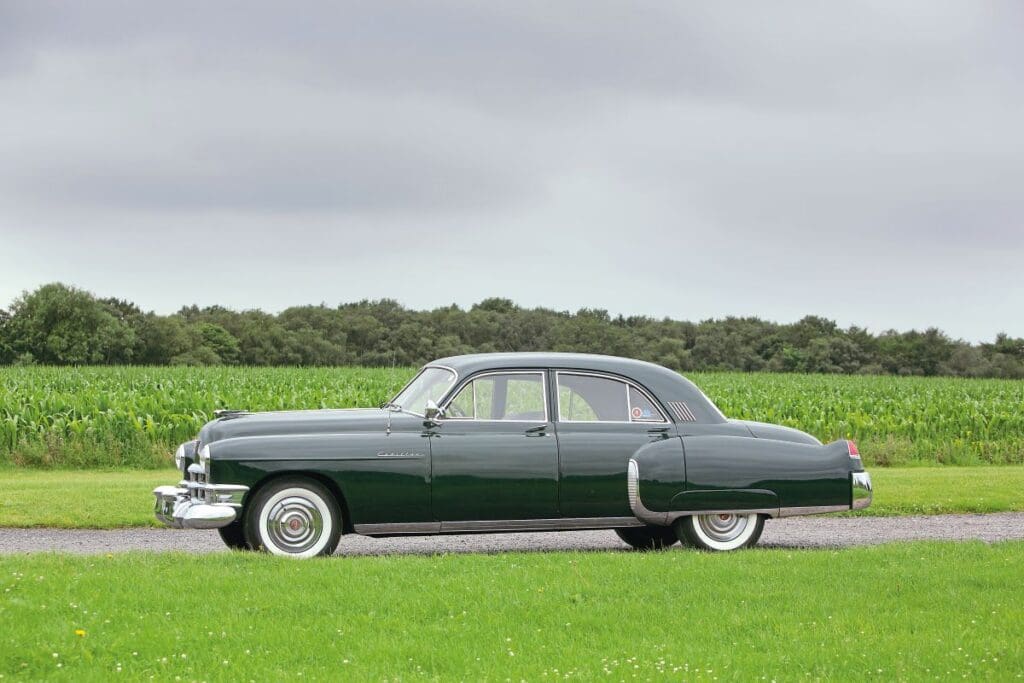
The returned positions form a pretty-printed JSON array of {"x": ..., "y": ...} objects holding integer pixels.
[
  {"x": 65, "y": 325},
  {"x": 1007, "y": 345},
  {"x": 6, "y": 351},
  {"x": 220, "y": 341},
  {"x": 161, "y": 339}
]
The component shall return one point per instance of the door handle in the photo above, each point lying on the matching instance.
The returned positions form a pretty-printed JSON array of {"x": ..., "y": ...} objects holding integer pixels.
[
  {"x": 658, "y": 433},
  {"x": 540, "y": 430}
]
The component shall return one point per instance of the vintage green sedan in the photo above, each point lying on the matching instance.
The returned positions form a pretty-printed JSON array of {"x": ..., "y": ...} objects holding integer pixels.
[{"x": 509, "y": 442}]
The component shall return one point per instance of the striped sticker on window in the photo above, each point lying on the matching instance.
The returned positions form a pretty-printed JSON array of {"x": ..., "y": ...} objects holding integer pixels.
[{"x": 682, "y": 411}]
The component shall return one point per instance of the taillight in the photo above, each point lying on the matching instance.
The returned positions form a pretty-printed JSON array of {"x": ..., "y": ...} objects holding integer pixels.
[{"x": 852, "y": 448}]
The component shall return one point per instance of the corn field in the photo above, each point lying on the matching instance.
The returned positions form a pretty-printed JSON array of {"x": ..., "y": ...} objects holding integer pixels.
[
  {"x": 895, "y": 420},
  {"x": 135, "y": 416}
]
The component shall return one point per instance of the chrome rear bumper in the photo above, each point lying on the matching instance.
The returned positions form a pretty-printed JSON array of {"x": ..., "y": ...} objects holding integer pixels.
[{"x": 862, "y": 491}]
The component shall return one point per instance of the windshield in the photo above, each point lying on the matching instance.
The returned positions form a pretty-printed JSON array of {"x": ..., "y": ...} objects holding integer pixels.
[{"x": 430, "y": 385}]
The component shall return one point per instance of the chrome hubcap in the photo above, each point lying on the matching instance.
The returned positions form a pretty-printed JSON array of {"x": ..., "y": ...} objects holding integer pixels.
[
  {"x": 723, "y": 527},
  {"x": 294, "y": 524}
]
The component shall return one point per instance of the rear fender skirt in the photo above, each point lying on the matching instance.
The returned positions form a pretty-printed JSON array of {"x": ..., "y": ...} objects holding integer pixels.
[
  {"x": 745, "y": 502},
  {"x": 728, "y": 499}
]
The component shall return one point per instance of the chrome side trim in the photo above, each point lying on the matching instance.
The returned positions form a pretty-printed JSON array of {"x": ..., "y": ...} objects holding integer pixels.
[
  {"x": 633, "y": 487},
  {"x": 398, "y": 528},
  {"x": 676, "y": 514},
  {"x": 862, "y": 492},
  {"x": 811, "y": 510},
  {"x": 560, "y": 524},
  {"x": 480, "y": 526},
  {"x": 635, "y": 502}
]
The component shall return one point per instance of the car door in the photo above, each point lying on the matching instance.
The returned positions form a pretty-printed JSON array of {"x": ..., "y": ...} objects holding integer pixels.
[
  {"x": 493, "y": 452},
  {"x": 601, "y": 421}
]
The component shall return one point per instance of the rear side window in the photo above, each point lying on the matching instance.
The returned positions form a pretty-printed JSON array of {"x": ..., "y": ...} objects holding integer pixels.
[{"x": 589, "y": 398}]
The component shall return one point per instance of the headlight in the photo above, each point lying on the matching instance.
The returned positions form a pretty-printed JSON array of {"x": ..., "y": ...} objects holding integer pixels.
[
  {"x": 179, "y": 456},
  {"x": 204, "y": 458}
]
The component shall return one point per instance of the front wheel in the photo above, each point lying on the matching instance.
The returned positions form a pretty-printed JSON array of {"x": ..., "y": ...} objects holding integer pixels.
[
  {"x": 720, "y": 531},
  {"x": 293, "y": 517},
  {"x": 648, "y": 537}
]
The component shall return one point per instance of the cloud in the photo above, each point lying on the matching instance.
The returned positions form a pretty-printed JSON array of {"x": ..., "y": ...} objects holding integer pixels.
[{"x": 449, "y": 143}]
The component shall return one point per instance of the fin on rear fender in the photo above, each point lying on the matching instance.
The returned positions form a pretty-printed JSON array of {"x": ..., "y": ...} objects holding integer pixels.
[{"x": 845, "y": 447}]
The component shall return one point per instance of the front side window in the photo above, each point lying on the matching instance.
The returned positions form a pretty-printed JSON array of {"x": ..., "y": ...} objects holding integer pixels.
[
  {"x": 462, "y": 406},
  {"x": 588, "y": 398},
  {"x": 506, "y": 396},
  {"x": 430, "y": 385}
]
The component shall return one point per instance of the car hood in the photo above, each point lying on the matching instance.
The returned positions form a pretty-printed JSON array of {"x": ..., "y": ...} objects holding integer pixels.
[
  {"x": 764, "y": 430},
  {"x": 288, "y": 422}
]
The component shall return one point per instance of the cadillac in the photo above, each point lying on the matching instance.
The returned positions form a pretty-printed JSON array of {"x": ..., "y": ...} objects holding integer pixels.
[{"x": 509, "y": 442}]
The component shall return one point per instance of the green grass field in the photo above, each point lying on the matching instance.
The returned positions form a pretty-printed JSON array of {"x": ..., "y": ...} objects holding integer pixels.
[
  {"x": 894, "y": 612},
  {"x": 110, "y": 499},
  {"x": 135, "y": 416}
]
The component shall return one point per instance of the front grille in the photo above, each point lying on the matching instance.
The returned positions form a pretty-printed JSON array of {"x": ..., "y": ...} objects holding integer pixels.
[{"x": 197, "y": 493}]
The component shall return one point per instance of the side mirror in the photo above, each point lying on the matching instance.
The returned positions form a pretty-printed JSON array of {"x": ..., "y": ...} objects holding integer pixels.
[{"x": 432, "y": 412}]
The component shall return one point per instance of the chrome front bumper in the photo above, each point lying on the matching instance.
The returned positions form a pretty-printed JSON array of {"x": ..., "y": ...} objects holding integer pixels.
[
  {"x": 862, "y": 492},
  {"x": 196, "y": 504}
]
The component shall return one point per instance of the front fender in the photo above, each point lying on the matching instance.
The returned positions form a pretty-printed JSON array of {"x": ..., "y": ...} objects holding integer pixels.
[{"x": 381, "y": 478}]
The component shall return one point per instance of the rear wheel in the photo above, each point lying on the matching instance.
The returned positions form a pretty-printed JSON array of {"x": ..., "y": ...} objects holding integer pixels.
[
  {"x": 720, "y": 531},
  {"x": 648, "y": 537},
  {"x": 293, "y": 517},
  {"x": 233, "y": 536}
]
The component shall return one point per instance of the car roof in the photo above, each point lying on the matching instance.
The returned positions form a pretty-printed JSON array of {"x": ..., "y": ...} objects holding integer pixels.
[{"x": 474, "y": 362}]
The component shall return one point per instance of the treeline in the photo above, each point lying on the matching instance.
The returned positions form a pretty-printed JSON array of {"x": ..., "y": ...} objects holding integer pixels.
[{"x": 62, "y": 325}]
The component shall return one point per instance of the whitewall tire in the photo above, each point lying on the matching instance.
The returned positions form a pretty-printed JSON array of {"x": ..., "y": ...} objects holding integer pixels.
[
  {"x": 720, "y": 531},
  {"x": 294, "y": 517}
]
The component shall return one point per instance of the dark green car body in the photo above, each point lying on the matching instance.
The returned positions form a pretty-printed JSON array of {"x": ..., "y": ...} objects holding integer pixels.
[{"x": 398, "y": 472}]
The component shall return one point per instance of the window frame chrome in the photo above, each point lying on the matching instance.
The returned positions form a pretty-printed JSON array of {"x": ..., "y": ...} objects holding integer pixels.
[
  {"x": 472, "y": 378},
  {"x": 615, "y": 378}
]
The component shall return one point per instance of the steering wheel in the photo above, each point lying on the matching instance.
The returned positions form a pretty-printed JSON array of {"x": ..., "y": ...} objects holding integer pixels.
[{"x": 455, "y": 411}]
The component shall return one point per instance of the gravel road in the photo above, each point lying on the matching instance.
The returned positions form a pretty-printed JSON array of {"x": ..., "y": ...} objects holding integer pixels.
[{"x": 797, "y": 532}]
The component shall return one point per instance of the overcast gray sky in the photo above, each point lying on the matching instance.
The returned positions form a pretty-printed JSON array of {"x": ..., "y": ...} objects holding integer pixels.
[{"x": 858, "y": 160}]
